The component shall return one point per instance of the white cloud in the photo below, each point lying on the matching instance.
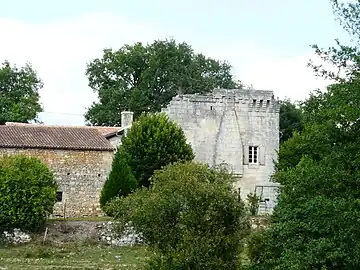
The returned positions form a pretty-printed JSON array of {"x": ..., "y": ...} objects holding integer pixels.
[{"x": 60, "y": 50}]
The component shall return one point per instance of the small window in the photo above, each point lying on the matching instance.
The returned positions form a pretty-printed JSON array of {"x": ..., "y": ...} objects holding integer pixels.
[
  {"x": 68, "y": 173},
  {"x": 59, "y": 196},
  {"x": 99, "y": 174},
  {"x": 211, "y": 108},
  {"x": 253, "y": 154}
]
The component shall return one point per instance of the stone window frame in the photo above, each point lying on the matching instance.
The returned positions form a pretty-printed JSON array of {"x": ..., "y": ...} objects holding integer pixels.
[
  {"x": 260, "y": 155},
  {"x": 253, "y": 154}
]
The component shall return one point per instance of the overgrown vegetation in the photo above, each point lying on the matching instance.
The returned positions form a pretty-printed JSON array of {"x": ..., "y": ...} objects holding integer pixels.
[
  {"x": 27, "y": 193},
  {"x": 190, "y": 217}
]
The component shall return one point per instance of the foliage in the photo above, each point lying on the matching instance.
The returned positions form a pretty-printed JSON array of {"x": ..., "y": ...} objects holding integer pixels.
[
  {"x": 344, "y": 59},
  {"x": 290, "y": 119},
  {"x": 144, "y": 78},
  {"x": 19, "y": 93},
  {"x": 190, "y": 217},
  {"x": 121, "y": 180},
  {"x": 27, "y": 193},
  {"x": 314, "y": 225},
  {"x": 153, "y": 142},
  {"x": 254, "y": 202}
]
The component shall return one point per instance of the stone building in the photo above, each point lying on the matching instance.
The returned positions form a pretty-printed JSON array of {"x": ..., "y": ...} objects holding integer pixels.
[
  {"x": 238, "y": 129},
  {"x": 80, "y": 158}
]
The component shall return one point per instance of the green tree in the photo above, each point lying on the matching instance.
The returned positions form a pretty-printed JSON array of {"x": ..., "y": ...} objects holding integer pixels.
[
  {"x": 290, "y": 119},
  {"x": 152, "y": 142},
  {"x": 19, "y": 93},
  {"x": 121, "y": 180},
  {"x": 144, "y": 78},
  {"x": 344, "y": 58},
  {"x": 27, "y": 193},
  {"x": 314, "y": 224},
  {"x": 191, "y": 218}
]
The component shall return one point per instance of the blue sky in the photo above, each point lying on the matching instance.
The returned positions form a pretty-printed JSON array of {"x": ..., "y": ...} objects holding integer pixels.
[{"x": 266, "y": 41}]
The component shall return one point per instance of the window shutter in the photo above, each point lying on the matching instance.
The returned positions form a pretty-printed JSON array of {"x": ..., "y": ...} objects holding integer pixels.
[
  {"x": 262, "y": 151},
  {"x": 246, "y": 154}
]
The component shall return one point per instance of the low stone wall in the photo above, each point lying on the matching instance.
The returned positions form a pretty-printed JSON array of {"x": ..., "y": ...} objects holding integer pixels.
[{"x": 77, "y": 231}]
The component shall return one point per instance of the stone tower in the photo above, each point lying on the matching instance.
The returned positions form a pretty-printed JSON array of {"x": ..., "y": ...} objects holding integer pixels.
[{"x": 235, "y": 128}]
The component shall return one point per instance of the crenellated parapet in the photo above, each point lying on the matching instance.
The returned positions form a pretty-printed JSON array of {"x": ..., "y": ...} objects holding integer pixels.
[{"x": 253, "y": 100}]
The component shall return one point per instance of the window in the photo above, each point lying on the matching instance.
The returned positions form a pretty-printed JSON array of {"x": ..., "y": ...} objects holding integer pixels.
[
  {"x": 253, "y": 154},
  {"x": 59, "y": 196}
]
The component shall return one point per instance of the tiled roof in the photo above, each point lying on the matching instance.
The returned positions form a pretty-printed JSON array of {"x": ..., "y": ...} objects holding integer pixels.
[
  {"x": 52, "y": 137},
  {"x": 104, "y": 130}
]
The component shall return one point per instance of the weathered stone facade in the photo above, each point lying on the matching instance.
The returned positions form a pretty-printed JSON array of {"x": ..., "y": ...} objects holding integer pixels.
[
  {"x": 80, "y": 175},
  {"x": 236, "y": 128}
]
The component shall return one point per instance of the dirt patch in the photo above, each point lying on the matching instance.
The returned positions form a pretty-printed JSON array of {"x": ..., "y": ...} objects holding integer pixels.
[{"x": 73, "y": 231}]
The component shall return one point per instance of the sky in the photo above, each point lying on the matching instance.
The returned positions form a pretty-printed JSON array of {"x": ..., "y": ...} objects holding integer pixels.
[{"x": 267, "y": 42}]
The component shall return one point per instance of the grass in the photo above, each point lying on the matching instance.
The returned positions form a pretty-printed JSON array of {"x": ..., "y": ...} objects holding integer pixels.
[{"x": 72, "y": 256}]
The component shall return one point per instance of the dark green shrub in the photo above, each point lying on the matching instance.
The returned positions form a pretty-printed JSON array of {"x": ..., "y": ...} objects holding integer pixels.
[
  {"x": 253, "y": 203},
  {"x": 27, "y": 193},
  {"x": 121, "y": 180},
  {"x": 190, "y": 217},
  {"x": 153, "y": 142}
]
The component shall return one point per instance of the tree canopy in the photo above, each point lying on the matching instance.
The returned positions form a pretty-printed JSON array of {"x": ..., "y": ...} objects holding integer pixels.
[
  {"x": 144, "y": 78},
  {"x": 290, "y": 119},
  {"x": 152, "y": 142},
  {"x": 19, "y": 93},
  {"x": 314, "y": 225}
]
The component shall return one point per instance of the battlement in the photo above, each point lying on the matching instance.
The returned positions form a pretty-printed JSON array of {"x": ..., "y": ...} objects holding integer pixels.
[{"x": 254, "y": 100}]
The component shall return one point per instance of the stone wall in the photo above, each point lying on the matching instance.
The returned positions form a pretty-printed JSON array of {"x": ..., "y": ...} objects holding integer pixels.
[
  {"x": 221, "y": 126},
  {"x": 80, "y": 175}
]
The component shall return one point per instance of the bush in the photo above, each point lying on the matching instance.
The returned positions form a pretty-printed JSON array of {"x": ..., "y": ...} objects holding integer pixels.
[
  {"x": 190, "y": 217},
  {"x": 120, "y": 182},
  {"x": 254, "y": 202},
  {"x": 153, "y": 142},
  {"x": 27, "y": 193}
]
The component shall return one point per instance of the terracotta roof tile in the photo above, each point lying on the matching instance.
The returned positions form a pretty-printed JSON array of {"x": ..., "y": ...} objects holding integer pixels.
[
  {"x": 52, "y": 137},
  {"x": 104, "y": 130}
]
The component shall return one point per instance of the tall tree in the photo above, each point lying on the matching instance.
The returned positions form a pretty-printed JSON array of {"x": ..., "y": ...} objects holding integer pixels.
[
  {"x": 314, "y": 225},
  {"x": 290, "y": 119},
  {"x": 144, "y": 78},
  {"x": 344, "y": 58},
  {"x": 19, "y": 93}
]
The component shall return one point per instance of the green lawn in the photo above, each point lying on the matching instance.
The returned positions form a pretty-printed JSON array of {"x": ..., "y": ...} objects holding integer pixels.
[{"x": 71, "y": 256}]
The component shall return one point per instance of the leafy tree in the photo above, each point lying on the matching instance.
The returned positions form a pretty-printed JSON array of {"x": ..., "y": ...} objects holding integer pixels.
[
  {"x": 19, "y": 93},
  {"x": 27, "y": 193},
  {"x": 121, "y": 180},
  {"x": 144, "y": 78},
  {"x": 344, "y": 58},
  {"x": 314, "y": 225},
  {"x": 153, "y": 142},
  {"x": 191, "y": 218},
  {"x": 290, "y": 119}
]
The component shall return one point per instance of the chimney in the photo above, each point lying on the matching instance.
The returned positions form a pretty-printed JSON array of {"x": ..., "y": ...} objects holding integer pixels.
[{"x": 127, "y": 118}]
